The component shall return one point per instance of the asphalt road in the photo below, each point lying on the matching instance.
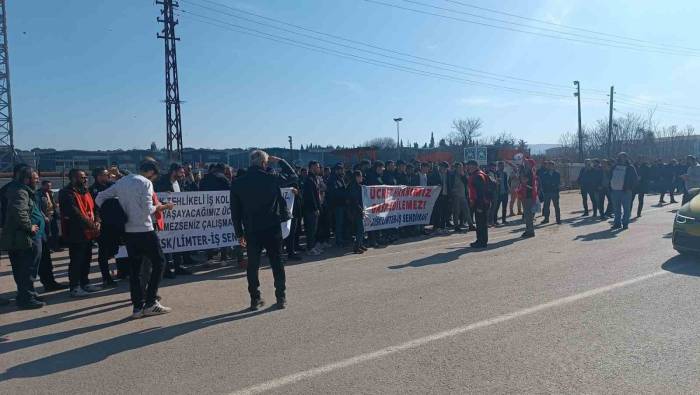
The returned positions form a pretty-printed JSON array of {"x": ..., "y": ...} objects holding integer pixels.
[{"x": 579, "y": 308}]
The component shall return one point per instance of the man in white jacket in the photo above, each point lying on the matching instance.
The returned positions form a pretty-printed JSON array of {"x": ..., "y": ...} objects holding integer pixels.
[{"x": 135, "y": 195}]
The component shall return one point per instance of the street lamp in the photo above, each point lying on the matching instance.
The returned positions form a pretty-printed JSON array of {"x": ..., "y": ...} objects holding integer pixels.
[{"x": 398, "y": 138}]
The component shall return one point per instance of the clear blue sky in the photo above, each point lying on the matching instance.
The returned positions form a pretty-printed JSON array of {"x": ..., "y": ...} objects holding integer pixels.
[{"x": 89, "y": 74}]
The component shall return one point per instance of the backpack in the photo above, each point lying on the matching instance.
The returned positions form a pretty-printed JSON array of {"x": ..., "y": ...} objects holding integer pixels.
[{"x": 491, "y": 185}]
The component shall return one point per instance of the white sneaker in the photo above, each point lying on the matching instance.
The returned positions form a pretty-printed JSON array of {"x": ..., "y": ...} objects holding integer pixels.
[
  {"x": 92, "y": 288},
  {"x": 79, "y": 293},
  {"x": 156, "y": 309}
]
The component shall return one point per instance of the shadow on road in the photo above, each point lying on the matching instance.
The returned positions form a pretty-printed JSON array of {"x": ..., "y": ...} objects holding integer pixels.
[
  {"x": 62, "y": 317},
  {"x": 96, "y": 352},
  {"x": 683, "y": 264},
  {"x": 601, "y": 235},
  {"x": 451, "y": 256}
]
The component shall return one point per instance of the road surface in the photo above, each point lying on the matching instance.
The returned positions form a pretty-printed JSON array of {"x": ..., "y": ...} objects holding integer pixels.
[{"x": 577, "y": 309}]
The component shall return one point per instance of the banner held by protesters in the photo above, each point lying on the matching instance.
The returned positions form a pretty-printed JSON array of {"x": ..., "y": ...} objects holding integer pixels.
[{"x": 389, "y": 207}]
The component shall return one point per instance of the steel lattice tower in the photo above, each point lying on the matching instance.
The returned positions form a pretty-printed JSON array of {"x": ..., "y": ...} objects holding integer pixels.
[
  {"x": 7, "y": 143},
  {"x": 173, "y": 122}
]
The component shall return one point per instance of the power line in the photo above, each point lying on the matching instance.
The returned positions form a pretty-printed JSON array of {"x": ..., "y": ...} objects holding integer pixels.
[
  {"x": 471, "y": 71},
  {"x": 362, "y": 59},
  {"x": 558, "y": 37},
  {"x": 656, "y": 47},
  {"x": 648, "y": 101},
  {"x": 494, "y": 76},
  {"x": 567, "y": 26}
]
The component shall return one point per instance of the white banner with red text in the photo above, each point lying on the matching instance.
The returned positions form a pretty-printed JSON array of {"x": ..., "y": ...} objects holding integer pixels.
[{"x": 390, "y": 207}]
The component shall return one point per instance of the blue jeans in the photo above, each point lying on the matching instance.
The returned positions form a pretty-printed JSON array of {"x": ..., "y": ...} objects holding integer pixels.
[
  {"x": 339, "y": 225},
  {"x": 622, "y": 204},
  {"x": 25, "y": 264}
]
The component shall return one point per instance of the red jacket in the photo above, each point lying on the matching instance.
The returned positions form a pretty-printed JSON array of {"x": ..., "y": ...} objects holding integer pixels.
[
  {"x": 528, "y": 188},
  {"x": 159, "y": 223},
  {"x": 478, "y": 196}
]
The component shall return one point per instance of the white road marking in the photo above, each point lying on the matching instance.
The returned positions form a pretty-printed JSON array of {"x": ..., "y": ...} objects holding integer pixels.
[{"x": 345, "y": 363}]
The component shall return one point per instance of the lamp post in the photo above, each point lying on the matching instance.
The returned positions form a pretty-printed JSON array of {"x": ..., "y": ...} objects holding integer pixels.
[
  {"x": 580, "y": 132},
  {"x": 398, "y": 138}
]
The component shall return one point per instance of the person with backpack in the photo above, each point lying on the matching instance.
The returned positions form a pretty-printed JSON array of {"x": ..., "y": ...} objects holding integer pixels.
[
  {"x": 623, "y": 183},
  {"x": 137, "y": 199},
  {"x": 479, "y": 202}
]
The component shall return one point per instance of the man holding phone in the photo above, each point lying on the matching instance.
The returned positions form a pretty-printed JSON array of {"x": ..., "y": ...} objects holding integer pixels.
[{"x": 136, "y": 197}]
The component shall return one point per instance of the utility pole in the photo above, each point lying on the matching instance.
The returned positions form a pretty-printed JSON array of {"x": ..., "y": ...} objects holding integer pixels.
[
  {"x": 8, "y": 156},
  {"x": 398, "y": 138},
  {"x": 173, "y": 122},
  {"x": 610, "y": 121},
  {"x": 290, "y": 143},
  {"x": 580, "y": 132}
]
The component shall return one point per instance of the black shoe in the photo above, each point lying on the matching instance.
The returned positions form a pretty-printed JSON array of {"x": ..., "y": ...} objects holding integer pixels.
[
  {"x": 585, "y": 214},
  {"x": 169, "y": 274},
  {"x": 527, "y": 235},
  {"x": 616, "y": 226},
  {"x": 558, "y": 222},
  {"x": 281, "y": 303},
  {"x": 256, "y": 303},
  {"x": 476, "y": 244},
  {"x": 55, "y": 286},
  {"x": 38, "y": 298},
  {"x": 31, "y": 305},
  {"x": 181, "y": 271},
  {"x": 544, "y": 221},
  {"x": 110, "y": 283},
  {"x": 625, "y": 227},
  {"x": 472, "y": 228},
  {"x": 674, "y": 201}
]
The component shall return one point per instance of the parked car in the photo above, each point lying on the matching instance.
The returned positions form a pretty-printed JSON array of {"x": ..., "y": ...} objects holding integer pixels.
[{"x": 686, "y": 226}]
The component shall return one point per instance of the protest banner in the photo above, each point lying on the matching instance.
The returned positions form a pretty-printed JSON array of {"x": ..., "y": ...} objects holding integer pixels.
[
  {"x": 202, "y": 221},
  {"x": 199, "y": 221},
  {"x": 389, "y": 207}
]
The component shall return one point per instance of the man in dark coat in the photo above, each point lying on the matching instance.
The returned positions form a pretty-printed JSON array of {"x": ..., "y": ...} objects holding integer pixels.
[
  {"x": 107, "y": 241},
  {"x": 479, "y": 202},
  {"x": 312, "y": 208},
  {"x": 22, "y": 233},
  {"x": 587, "y": 181},
  {"x": 550, "y": 182},
  {"x": 257, "y": 210}
]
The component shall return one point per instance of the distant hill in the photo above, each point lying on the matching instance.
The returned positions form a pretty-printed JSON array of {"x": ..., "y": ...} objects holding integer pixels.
[{"x": 539, "y": 149}]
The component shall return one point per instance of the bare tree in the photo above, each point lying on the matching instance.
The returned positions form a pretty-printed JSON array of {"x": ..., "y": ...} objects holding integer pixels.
[
  {"x": 466, "y": 130},
  {"x": 381, "y": 143}
]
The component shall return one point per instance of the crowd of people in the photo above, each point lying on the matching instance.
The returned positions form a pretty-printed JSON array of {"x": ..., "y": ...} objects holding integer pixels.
[
  {"x": 670, "y": 178},
  {"x": 119, "y": 208}
]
